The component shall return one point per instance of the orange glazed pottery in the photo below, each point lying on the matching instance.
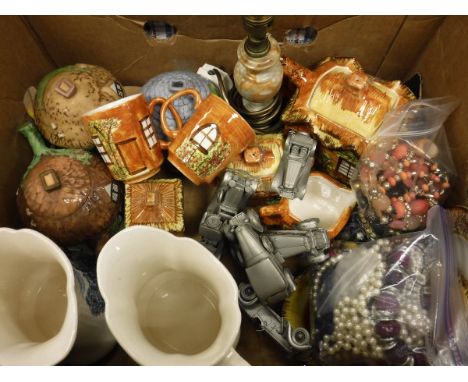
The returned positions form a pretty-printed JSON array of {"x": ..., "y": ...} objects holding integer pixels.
[
  {"x": 343, "y": 106},
  {"x": 261, "y": 160},
  {"x": 156, "y": 203},
  {"x": 325, "y": 199},
  {"x": 125, "y": 138},
  {"x": 213, "y": 136}
]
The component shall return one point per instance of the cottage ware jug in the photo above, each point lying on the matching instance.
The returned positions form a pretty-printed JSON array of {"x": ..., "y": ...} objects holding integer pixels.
[
  {"x": 169, "y": 301},
  {"x": 213, "y": 136},
  {"x": 123, "y": 133},
  {"x": 48, "y": 309}
]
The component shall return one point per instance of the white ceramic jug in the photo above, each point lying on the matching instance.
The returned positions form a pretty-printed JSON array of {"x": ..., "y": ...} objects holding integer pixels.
[
  {"x": 169, "y": 301},
  {"x": 48, "y": 309}
]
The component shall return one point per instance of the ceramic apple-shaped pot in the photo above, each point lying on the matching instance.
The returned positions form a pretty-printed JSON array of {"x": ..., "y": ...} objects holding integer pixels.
[
  {"x": 65, "y": 194},
  {"x": 64, "y": 95}
]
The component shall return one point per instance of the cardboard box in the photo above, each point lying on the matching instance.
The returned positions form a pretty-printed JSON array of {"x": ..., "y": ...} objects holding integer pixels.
[{"x": 390, "y": 47}]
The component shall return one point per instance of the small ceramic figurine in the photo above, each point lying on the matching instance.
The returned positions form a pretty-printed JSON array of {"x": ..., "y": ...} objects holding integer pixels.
[
  {"x": 231, "y": 198},
  {"x": 124, "y": 136},
  {"x": 65, "y": 94},
  {"x": 204, "y": 146},
  {"x": 343, "y": 106},
  {"x": 65, "y": 194},
  {"x": 156, "y": 203},
  {"x": 325, "y": 197},
  {"x": 291, "y": 178},
  {"x": 166, "y": 84},
  {"x": 261, "y": 160}
]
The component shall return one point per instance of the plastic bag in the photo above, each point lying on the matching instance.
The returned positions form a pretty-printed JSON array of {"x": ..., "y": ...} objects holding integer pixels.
[
  {"x": 394, "y": 301},
  {"x": 448, "y": 343},
  {"x": 406, "y": 169}
]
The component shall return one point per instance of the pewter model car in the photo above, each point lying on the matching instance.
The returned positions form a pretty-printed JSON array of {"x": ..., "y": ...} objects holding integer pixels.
[
  {"x": 231, "y": 198},
  {"x": 262, "y": 253},
  {"x": 293, "y": 172},
  {"x": 292, "y": 340}
]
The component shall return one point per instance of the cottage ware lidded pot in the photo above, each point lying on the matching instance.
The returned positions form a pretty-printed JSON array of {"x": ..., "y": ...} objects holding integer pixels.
[
  {"x": 65, "y": 194},
  {"x": 65, "y": 94}
]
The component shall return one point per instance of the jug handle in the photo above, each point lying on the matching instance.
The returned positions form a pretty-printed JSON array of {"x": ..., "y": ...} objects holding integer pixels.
[
  {"x": 160, "y": 101},
  {"x": 233, "y": 359},
  {"x": 168, "y": 104}
]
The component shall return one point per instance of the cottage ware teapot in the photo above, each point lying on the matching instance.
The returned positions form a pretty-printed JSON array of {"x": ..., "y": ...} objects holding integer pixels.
[
  {"x": 49, "y": 310},
  {"x": 169, "y": 301},
  {"x": 67, "y": 195},
  {"x": 67, "y": 93}
]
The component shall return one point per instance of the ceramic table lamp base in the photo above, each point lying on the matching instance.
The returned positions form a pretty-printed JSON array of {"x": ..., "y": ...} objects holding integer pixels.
[{"x": 48, "y": 314}]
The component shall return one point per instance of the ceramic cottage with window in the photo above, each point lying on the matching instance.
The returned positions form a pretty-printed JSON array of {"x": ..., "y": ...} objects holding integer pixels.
[
  {"x": 126, "y": 141},
  {"x": 342, "y": 106}
]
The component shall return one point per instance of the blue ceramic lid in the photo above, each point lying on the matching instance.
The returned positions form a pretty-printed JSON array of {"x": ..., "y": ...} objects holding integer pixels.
[{"x": 166, "y": 84}]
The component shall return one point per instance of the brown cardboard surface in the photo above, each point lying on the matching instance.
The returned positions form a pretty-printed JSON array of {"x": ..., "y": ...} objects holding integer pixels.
[
  {"x": 444, "y": 70},
  {"x": 123, "y": 48},
  {"x": 22, "y": 63},
  {"x": 230, "y": 27},
  {"x": 412, "y": 38},
  {"x": 386, "y": 45}
]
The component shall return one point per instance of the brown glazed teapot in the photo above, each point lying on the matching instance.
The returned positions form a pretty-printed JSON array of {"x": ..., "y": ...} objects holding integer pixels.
[{"x": 67, "y": 195}]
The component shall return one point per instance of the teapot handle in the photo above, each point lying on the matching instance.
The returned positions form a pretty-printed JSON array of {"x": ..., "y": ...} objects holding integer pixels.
[{"x": 169, "y": 104}]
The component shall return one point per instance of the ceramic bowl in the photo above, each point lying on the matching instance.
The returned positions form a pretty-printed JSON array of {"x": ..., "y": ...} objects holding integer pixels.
[{"x": 325, "y": 199}]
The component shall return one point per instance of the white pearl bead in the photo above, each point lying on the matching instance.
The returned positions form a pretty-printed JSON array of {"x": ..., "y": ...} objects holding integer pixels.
[
  {"x": 347, "y": 346},
  {"x": 347, "y": 300},
  {"x": 356, "y": 351}
]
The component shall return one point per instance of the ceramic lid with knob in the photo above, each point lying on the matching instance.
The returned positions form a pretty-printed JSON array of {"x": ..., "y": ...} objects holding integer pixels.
[
  {"x": 66, "y": 194},
  {"x": 65, "y": 94},
  {"x": 166, "y": 84}
]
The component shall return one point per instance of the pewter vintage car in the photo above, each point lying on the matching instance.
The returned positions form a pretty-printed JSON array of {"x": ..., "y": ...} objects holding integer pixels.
[{"x": 291, "y": 179}]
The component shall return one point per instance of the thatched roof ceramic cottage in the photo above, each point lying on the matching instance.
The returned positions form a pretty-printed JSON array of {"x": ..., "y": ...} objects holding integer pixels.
[{"x": 343, "y": 106}]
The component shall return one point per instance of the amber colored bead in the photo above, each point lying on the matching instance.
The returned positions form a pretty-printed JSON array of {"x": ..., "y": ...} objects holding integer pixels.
[
  {"x": 399, "y": 208},
  {"x": 419, "y": 206}
]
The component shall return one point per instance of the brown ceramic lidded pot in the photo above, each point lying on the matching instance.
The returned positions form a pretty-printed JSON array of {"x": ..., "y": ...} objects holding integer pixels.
[
  {"x": 213, "y": 136},
  {"x": 64, "y": 95},
  {"x": 65, "y": 194},
  {"x": 124, "y": 135}
]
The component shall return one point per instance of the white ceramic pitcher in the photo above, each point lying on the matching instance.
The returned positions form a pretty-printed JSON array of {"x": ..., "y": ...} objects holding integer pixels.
[
  {"x": 46, "y": 313},
  {"x": 169, "y": 301}
]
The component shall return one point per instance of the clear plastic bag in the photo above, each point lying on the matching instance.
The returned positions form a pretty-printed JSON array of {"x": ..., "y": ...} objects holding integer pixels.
[
  {"x": 406, "y": 169},
  {"x": 394, "y": 301},
  {"x": 448, "y": 343}
]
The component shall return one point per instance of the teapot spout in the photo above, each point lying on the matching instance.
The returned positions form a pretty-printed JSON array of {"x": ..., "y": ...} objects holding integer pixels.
[{"x": 294, "y": 71}]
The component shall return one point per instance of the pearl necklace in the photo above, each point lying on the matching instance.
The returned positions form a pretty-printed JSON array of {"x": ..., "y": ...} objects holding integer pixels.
[{"x": 387, "y": 320}]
